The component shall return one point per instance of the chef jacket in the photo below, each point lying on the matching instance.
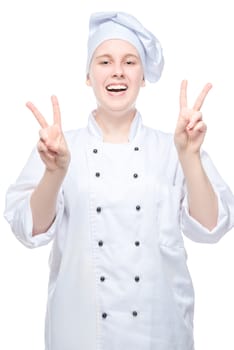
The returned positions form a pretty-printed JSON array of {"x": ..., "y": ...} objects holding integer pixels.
[{"x": 118, "y": 273}]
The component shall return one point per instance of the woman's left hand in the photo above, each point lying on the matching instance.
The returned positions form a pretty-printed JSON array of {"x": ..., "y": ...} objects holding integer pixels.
[{"x": 190, "y": 129}]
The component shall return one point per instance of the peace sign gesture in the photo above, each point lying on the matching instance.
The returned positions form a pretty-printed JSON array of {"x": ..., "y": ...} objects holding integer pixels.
[
  {"x": 52, "y": 145},
  {"x": 190, "y": 129}
]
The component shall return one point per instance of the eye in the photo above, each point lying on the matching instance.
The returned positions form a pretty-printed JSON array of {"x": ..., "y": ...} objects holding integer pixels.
[
  {"x": 105, "y": 62},
  {"x": 130, "y": 62}
]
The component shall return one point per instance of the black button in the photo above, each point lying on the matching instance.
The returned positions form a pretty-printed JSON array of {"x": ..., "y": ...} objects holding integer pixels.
[
  {"x": 97, "y": 174},
  {"x": 138, "y": 207},
  {"x": 102, "y": 278},
  {"x": 100, "y": 243},
  {"x": 95, "y": 150},
  {"x": 99, "y": 209},
  {"x": 136, "y": 149},
  {"x": 104, "y": 315},
  {"x": 135, "y": 175},
  {"x": 137, "y": 243},
  {"x": 134, "y": 313},
  {"x": 137, "y": 278}
]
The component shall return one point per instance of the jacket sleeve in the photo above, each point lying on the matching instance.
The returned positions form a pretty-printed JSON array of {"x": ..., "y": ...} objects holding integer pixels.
[
  {"x": 17, "y": 205},
  {"x": 192, "y": 228}
]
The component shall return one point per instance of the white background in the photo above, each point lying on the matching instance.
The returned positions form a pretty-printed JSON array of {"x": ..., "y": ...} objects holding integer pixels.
[{"x": 43, "y": 52}]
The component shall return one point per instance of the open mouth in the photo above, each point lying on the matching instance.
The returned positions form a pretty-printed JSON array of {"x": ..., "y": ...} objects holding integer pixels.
[{"x": 116, "y": 88}]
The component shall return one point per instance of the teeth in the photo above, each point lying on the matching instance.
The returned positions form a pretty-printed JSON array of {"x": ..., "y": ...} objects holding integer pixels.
[{"x": 116, "y": 87}]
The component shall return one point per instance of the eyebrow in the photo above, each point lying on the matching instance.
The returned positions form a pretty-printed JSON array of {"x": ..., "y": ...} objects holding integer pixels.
[{"x": 110, "y": 56}]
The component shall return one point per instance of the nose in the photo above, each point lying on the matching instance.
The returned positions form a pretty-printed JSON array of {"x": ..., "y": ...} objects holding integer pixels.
[{"x": 118, "y": 71}]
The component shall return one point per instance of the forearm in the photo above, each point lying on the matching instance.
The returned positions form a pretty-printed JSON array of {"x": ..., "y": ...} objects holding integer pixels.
[
  {"x": 202, "y": 200},
  {"x": 44, "y": 199}
]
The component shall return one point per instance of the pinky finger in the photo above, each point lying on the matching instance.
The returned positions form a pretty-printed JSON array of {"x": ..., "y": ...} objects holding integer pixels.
[
  {"x": 41, "y": 147},
  {"x": 200, "y": 126}
]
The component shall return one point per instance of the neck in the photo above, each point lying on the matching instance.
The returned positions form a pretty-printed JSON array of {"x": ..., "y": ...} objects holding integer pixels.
[{"x": 115, "y": 126}]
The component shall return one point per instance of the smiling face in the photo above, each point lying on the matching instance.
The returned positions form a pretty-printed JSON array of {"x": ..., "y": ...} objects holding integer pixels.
[{"x": 116, "y": 76}]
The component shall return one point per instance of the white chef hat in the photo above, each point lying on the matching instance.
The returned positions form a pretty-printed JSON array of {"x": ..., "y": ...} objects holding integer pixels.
[{"x": 121, "y": 25}]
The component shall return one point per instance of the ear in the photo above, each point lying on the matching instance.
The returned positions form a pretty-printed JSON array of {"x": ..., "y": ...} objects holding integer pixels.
[
  {"x": 143, "y": 82},
  {"x": 88, "y": 82}
]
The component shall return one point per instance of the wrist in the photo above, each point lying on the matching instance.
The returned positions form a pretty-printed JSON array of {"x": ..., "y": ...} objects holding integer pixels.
[
  {"x": 56, "y": 174},
  {"x": 191, "y": 163},
  {"x": 189, "y": 157}
]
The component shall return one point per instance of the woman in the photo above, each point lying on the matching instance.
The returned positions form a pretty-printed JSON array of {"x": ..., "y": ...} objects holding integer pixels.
[{"x": 114, "y": 197}]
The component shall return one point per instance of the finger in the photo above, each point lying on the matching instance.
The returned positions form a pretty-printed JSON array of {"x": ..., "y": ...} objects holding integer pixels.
[
  {"x": 43, "y": 134},
  {"x": 183, "y": 94},
  {"x": 201, "y": 98},
  {"x": 183, "y": 120},
  {"x": 194, "y": 119},
  {"x": 45, "y": 151},
  {"x": 41, "y": 146},
  {"x": 201, "y": 127},
  {"x": 56, "y": 110},
  {"x": 41, "y": 120},
  {"x": 47, "y": 158}
]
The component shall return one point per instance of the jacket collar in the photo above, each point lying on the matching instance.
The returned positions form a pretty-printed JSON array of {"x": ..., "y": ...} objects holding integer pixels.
[{"x": 95, "y": 130}]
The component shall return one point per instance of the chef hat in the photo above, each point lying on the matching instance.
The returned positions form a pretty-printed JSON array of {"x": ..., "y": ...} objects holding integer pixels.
[{"x": 121, "y": 25}]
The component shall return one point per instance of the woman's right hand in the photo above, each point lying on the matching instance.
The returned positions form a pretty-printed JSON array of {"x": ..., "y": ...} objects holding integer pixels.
[{"x": 52, "y": 145}]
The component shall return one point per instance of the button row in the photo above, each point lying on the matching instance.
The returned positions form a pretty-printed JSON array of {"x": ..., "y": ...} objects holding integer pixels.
[
  {"x": 96, "y": 151},
  {"x": 135, "y": 175},
  {"x": 100, "y": 243},
  {"x": 134, "y": 313},
  {"x": 99, "y": 209},
  {"x": 137, "y": 278}
]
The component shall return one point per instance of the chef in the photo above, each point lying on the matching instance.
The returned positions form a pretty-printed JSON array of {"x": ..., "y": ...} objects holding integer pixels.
[{"x": 116, "y": 198}]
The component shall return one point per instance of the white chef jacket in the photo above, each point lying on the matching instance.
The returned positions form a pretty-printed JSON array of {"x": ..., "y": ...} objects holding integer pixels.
[{"x": 118, "y": 273}]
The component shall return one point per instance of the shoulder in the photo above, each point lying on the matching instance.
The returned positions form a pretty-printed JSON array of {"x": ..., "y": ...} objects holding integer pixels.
[
  {"x": 163, "y": 139},
  {"x": 161, "y": 144},
  {"x": 75, "y": 136},
  {"x": 71, "y": 134}
]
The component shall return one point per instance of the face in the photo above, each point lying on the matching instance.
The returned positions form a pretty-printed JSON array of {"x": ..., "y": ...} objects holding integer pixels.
[{"x": 116, "y": 75}]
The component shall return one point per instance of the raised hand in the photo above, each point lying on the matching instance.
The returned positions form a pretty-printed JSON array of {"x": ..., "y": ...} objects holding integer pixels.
[
  {"x": 52, "y": 145},
  {"x": 190, "y": 129}
]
